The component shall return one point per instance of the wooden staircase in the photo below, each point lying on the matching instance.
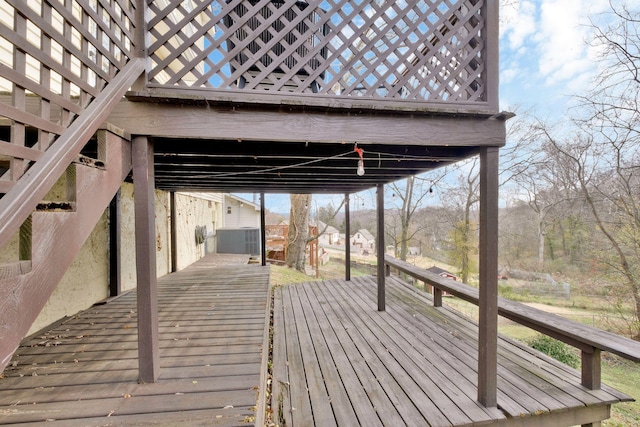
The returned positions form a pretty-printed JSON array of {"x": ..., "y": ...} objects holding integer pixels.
[
  {"x": 50, "y": 239},
  {"x": 56, "y": 236}
]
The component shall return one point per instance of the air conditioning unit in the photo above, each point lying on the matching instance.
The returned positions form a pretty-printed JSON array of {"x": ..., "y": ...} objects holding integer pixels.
[{"x": 238, "y": 241}]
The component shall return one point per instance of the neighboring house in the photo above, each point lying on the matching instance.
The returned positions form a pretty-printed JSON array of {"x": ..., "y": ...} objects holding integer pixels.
[
  {"x": 330, "y": 236},
  {"x": 364, "y": 240},
  {"x": 443, "y": 273},
  {"x": 240, "y": 213}
]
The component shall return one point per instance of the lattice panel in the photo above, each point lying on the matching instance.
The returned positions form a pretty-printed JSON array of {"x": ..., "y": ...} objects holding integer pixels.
[
  {"x": 419, "y": 50},
  {"x": 55, "y": 57}
]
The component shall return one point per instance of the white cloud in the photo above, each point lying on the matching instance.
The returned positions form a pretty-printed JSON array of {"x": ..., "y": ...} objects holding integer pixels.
[
  {"x": 562, "y": 39},
  {"x": 518, "y": 21}
]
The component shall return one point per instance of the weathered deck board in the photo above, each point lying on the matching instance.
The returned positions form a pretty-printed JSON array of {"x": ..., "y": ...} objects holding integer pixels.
[
  {"x": 414, "y": 364},
  {"x": 84, "y": 371}
]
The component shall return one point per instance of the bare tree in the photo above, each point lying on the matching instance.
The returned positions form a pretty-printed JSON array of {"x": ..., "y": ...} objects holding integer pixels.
[{"x": 408, "y": 197}]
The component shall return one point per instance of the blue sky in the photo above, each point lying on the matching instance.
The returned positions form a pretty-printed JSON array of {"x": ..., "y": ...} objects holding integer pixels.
[
  {"x": 544, "y": 59},
  {"x": 544, "y": 55}
]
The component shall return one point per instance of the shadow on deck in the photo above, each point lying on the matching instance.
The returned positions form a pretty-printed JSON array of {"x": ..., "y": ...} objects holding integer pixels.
[
  {"x": 84, "y": 372},
  {"x": 338, "y": 361}
]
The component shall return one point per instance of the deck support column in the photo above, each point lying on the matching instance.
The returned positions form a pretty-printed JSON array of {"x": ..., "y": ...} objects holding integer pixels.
[
  {"x": 380, "y": 248},
  {"x": 347, "y": 239},
  {"x": 144, "y": 202},
  {"x": 115, "y": 239},
  {"x": 488, "y": 301},
  {"x": 174, "y": 232},
  {"x": 263, "y": 231}
]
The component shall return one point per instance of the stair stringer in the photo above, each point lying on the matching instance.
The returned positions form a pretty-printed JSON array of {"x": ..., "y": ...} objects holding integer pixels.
[{"x": 57, "y": 238}]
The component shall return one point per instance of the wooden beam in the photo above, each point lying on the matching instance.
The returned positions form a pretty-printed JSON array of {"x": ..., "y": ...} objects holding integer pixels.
[
  {"x": 380, "y": 248},
  {"x": 195, "y": 121},
  {"x": 263, "y": 231},
  {"x": 347, "y": 240},
  {"x": 143, "y": 186},
  {"x": 488, "y": 300}
]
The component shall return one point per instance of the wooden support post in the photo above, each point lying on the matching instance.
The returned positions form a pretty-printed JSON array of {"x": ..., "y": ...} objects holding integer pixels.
[
  {"x": 380, "y": 248},
  {"x": 263, "y": 230},
  {"x": 488, "y": 301},
  {"x": 143, "y": 186},
  {"x": 437, "y": 297},
  {"x": 591, "y": 369},
  {"x": 115, "y": 244},
  {"x": 174, "y": 232},
  {"x": 592, "y": 374},
  {"x": 347, "y": 239}
]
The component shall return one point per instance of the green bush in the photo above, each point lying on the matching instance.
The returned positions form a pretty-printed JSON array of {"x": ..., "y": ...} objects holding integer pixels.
[{"x": 556, "y": 349}]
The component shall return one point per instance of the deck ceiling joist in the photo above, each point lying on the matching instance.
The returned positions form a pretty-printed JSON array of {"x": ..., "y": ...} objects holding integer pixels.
[{"x": 302, "y": 167}]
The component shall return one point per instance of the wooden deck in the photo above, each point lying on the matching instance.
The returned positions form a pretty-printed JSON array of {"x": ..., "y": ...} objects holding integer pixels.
[
  {"x": 338, "y": 361},
  {"x": 83, "y": 372}
]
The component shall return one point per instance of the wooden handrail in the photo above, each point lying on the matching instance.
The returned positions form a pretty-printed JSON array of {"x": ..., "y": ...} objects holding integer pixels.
[
  {"x": 591, "y": 341},
  {"x": 24, "y": 196}
]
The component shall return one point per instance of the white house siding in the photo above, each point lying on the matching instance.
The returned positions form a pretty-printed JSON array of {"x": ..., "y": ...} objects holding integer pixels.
[{"x": 240, "y": 214}]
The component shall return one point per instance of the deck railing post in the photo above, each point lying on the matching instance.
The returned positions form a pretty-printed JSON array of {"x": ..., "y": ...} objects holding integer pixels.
[
  {"x": 263, "y": 231},
  {"x": 347, "y": 239},
  {"x": 488, "y": 299},
  {"x": 115, "y": 245},
  {"x": 591, "y": 369},
  {"x": 147, "y": 290},
  {"x": 380, "y": 248},
  {"x": 437, "y": 297}
]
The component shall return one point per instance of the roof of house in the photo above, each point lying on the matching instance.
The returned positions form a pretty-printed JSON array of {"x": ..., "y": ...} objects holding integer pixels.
[
  {"x": 439, "y": 270},
  {"x": 366, "y": 234},
  {"x": 329, "y": 228}
]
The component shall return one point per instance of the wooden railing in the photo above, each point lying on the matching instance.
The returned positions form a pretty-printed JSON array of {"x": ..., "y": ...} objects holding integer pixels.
[
  {"x": 590, "y": 341},
  {"x": 426, "y": 51}
]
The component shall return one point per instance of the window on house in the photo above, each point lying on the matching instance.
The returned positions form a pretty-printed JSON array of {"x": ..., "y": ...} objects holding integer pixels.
[{"x": 228, "y": 210}]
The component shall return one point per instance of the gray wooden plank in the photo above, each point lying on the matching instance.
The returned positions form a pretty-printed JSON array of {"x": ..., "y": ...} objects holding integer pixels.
[
  {"x": 280, "y": 398},
  {"x": 316, "y": 386},
  {"x": 229, "y": 417},
  {"x": 338, "y": 396},
  {"x": 124, "y": 405},
  {"x": 170, "y": 356},
  {"x": 300, "y": 408},
  {"x": 357, "y": 388},
  {"x": 370, "y": 365},
  {"x": 74, "y": 392}
]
